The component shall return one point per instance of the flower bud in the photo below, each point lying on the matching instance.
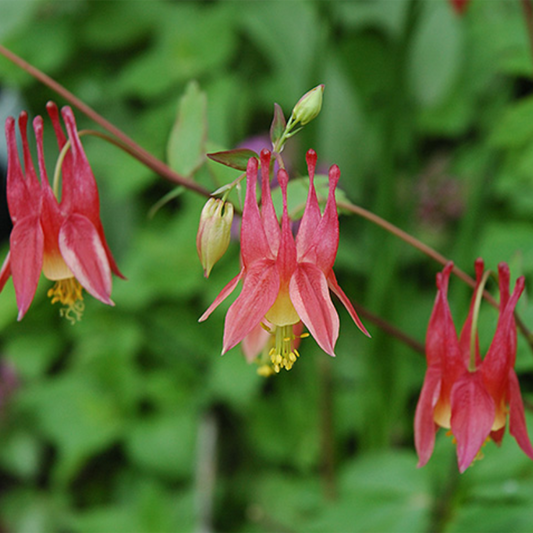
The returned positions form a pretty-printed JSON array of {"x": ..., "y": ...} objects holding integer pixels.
[
  {"x": 308, "y": 106},
  {"x": 213, "y": 232}
]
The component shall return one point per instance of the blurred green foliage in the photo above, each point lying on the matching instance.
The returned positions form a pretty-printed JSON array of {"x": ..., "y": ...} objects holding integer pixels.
[{"x": 130, "y": 421}]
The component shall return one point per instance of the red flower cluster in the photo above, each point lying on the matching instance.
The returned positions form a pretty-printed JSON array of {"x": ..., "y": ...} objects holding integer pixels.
[
  {"x": 286, "y": 280},
  {"x": 463, "y": 392},
  {"x": 62, "y": 238}
]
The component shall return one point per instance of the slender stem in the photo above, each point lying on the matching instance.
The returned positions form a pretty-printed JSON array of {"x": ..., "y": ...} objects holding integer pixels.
[
  {"x": 57, "y": 170},
  {"x": 135, "y": 149},
  {"x": 475, "y": 317},
  {"x": 430, "y": 252},
  {"x": 388, "y": 328}
]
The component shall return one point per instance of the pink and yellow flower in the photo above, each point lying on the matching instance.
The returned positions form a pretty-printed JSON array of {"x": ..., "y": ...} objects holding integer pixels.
[
  {"x": 286, "y": 280},
  {"x": 62, "y": 238},
  {"x": 461, "y": 391}
]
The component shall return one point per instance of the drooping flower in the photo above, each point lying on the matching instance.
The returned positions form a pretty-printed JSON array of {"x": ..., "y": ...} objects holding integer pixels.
[
  {"x": 63, "y": 238},
  {"x": 286, "y": 280},
  {"x": 462, "y": 392}
]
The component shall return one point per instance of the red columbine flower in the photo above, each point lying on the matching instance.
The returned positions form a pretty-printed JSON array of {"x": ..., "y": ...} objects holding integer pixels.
[
  {"x": 286, "y": 280},
  {"x": 63, "y": 239},
  {"x": 462, "y": 392}
]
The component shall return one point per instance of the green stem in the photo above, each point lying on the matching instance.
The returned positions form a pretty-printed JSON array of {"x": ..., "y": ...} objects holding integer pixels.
[{"x": 475, "y": 316}]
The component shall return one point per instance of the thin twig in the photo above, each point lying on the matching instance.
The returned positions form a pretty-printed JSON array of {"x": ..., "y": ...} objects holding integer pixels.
[
  {"x": 137, "y": 151},
  {"x": 430, "y": 252}
]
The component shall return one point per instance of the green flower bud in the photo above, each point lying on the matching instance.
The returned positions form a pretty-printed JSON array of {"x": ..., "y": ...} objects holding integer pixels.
[
  {"x": 214, "y": 231},
  {"x": 308, "y": 106}
]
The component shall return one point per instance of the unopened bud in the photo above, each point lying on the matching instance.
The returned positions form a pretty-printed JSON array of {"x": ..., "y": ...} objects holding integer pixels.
[
  {"x": 308, "y": 106},
  {"x": 213, "y": 232}
]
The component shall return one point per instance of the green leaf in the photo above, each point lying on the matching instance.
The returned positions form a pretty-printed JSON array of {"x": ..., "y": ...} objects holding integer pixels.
[
  {"x": 237, "y": 158},
  {"x": 185, "y": 149}
]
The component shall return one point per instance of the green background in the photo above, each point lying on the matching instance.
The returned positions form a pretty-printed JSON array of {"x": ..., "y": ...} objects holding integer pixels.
[{"x": 130, "y": 421}]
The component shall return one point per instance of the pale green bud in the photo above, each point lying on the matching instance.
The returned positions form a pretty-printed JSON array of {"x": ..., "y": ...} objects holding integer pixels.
[
  {"x": 308, "y": 106},
  {"x": 214, "y": 232}
]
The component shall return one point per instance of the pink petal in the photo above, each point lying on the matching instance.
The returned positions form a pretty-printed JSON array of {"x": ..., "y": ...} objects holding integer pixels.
[
  {"x": 268, "y": 213},
  {"x": 5, "y": 273},
  {"x": 84, "y": 254},
  {"x": 259, "y": 292},
  {"x": 287, "y": 248},
  {"x": 19, "y": 197},
  {"x": 442, "y": 346},
  {"x": 517, "y": 419},
  {"x": 254, "y": 244},
  {"x": 335, "y": 287},
  {"x": 224, "y": 293},
  {"x": 309, "y": 294},
  {"x": 326, "y": 237},
  {"x": 79, "y": 191},
  {"x": 66, "y": 167},
  {"x": 425, "y": 427},
  {"x": 501, "y": 355},
  {"x": 26, "y": 252},
  {"x": 254, "y": 343},
  {"x": 311, "y": 217},
  {"x": 473, "y": 413}
]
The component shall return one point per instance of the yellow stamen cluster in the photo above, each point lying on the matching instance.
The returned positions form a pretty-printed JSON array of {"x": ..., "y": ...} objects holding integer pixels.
[
  {"x": 69, "y": 293},
  {"x": 283, "y": 354},
  {"x": 280, "y": 351}
]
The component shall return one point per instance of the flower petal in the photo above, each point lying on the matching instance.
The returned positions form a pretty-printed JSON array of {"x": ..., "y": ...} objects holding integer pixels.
[
  {"x": 268, "y": 213},
  {"x": 254, "y": 343},
  {"x": 259, "y": 292},
  {"x": 26, "y": 251},
  {"x": 326, "y": 238},
  {"x": 254, "y": 244},
  {"x": 335, "y": 287},
  {"x": 310, "y": 296},
  {"x": 473, "y": 413},
  {"x": 311, "y": 217},
  {"x": 425, "y": 427},
  {"x": 501, "y": 355},
  {"x": 223, "y": 294},
  {"x": 517, "y": 420},
  {"x": 20, "y": 199},
  {"x": 85, "y": 255},
  {"x": 79, "y": 191}
]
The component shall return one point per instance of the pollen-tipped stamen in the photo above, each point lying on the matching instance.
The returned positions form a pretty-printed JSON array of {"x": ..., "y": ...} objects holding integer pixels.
[
  {"x": 69, "y": 293},
  {"x": 283, "y": 354}
]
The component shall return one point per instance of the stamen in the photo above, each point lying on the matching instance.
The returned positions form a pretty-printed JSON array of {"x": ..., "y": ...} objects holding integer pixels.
[
  {"x": 283, "y": 354},
  {"x": 68, "y": 292}
]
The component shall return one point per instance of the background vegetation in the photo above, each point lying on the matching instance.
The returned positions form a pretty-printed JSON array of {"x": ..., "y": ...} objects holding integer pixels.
[{"x": 130, "y": 420}]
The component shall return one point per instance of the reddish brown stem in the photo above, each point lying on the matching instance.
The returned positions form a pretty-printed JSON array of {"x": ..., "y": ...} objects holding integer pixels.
[
  {"x": 134, "y": 149},
  {"x": 424, "y": 248}
]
